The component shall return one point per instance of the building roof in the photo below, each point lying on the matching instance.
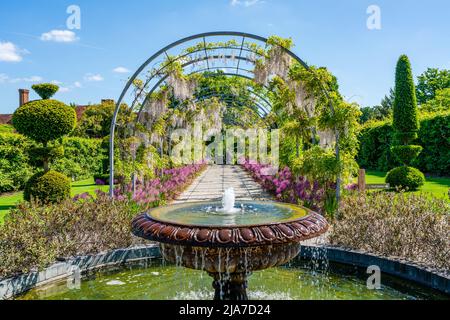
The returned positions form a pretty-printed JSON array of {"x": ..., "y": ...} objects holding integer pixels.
[{"x": 5, "y": 118}]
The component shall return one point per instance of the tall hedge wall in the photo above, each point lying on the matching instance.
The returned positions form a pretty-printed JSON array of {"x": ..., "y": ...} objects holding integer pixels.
[
  {"x": 82, "y": 159},
  {"x": 14, "y": 167},
  {"x": 434, "y": 136}
]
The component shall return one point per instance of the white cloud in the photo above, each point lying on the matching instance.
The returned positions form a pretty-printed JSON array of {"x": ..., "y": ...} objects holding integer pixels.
[
  {"x": 121, "y": 70},
  {"x": 5, "y": 78},
  {"x": 77, "y": 84},
  {"x": 56, "y": 82},
  {"x": 245, "y": 3},
  {"x": 59, "y": 36},
  {"x": 27, "y": 79},
  {"x": 93, "y": 77},
  {"x": 9, "y": 52},
  {"x": 64, "y": 89}
]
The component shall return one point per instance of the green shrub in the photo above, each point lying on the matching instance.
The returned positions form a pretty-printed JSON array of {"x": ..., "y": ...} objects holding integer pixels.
[
  {"x": 405, "y": 123},
  {"x": 14, "y": 167},
  {"x": 33, "y": 236},
  {"x": 406, "y": 154},
  {"x": 411, "y": 226},
  {"x": 405, "y": 177},
  {"x": 47, "y": 187},
  {"x": 45, "y": 90},
  {"x": 319, "y": 164},
  {"x": 44, "y": 120},
  {"x": 102, "y": 176}
]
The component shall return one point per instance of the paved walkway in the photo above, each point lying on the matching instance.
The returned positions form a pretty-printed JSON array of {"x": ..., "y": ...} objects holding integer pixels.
[{"x": 211, "y": 184}]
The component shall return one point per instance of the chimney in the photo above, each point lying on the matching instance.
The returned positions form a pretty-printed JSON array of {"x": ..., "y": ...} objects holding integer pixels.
[{"x": 24, "y": 96}]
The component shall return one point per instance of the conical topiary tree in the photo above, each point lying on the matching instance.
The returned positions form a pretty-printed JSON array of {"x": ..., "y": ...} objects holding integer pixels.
[{"x": 406, "y": 127}]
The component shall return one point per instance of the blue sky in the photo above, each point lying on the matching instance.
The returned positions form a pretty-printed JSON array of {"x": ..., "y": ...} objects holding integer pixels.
[{"x": 35, "y": 45}]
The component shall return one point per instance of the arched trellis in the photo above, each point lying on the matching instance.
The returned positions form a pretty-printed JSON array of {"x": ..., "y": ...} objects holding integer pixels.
[{"x": 207, "y": 58}]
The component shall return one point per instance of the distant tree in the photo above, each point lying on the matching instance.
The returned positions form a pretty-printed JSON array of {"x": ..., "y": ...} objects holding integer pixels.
[
  {"x": 380, "y": 112},
  {"x": 96, "y": 120},
  {"x": 367, "y": 114},
  {"x": 440, "y": 103},
  {"x": 430, "y": 82},
  {"x": 386, "y": 107}
]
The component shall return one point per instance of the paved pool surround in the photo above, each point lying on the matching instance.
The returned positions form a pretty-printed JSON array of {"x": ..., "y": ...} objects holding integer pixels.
[{"x": 12, "y": 287}]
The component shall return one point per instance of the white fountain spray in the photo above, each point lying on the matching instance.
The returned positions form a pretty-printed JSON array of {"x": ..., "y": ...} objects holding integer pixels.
[{"x": 228, "y": 201}]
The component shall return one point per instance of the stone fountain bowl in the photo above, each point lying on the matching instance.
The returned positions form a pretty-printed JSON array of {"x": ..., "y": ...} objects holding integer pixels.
[{"x": 267, "y": 236}]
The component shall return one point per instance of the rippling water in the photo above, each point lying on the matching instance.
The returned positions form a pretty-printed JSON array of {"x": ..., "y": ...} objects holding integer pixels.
[{"x": 298, "y": 281}]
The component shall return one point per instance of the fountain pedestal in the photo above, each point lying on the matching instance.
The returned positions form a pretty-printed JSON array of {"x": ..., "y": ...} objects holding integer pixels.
[
  {"x": 230, "y": 287},
  {"x": 230, "y": 253}
]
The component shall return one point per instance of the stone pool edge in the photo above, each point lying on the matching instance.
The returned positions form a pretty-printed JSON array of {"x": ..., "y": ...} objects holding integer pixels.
[
  {"x": 12, "y": 287},
  {"x": 396, "y": 267}
]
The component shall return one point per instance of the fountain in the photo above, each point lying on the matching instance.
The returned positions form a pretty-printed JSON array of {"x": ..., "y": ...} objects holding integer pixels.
[
  {"x": 228, "y": 202},
  {"x": 229, "y": 243}
]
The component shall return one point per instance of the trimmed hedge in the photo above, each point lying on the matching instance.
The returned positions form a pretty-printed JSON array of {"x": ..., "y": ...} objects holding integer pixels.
[
  {"x": 47, "y": 187},
  {"x": 14, "y": 167},
  {"x": 83, "y": 158},
  {"x": 44, "y": 120},
  {"x": 434, "y": 136}
]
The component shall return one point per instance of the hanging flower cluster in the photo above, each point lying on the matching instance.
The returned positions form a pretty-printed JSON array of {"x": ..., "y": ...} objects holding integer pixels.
[
  {"x": 303, "y": 100},
  {"x": 183, "y": 87},
  {"x": 286, "y": 187},
  {"x": 160, "y": 190},
  {"x": 277, "y": 61}
]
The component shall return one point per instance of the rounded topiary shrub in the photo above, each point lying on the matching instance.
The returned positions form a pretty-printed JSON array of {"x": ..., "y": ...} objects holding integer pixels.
[
  {"x": 47, "y": 187},
  {"x": 405, "y": 177},
  {"x": 44, "y": 120}
]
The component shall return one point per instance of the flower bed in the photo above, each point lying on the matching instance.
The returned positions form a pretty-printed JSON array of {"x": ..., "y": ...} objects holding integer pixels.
[
  {"x": 286, "y": 187},
  {"x": 160, "y": 190},
  {"x": 35, "y": 235},
  {"x": 410, "y": 226}
]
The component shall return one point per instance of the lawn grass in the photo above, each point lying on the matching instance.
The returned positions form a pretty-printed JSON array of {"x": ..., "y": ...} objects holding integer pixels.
[
  {"x": 9, "y": 201},
  {"x": 437, "y": 187}
]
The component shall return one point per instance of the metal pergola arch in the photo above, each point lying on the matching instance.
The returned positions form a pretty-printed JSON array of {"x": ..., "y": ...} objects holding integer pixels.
[
  {"x": 231, "y": 98},
  {"x": 180, "y": 42},
  {"x": 163, "y": 78}
]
